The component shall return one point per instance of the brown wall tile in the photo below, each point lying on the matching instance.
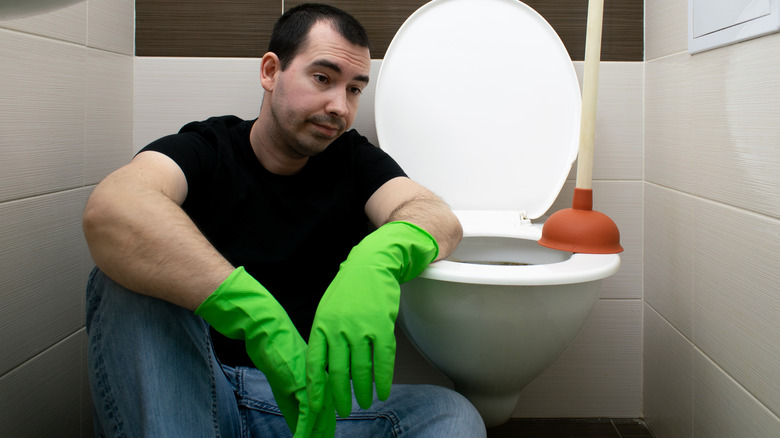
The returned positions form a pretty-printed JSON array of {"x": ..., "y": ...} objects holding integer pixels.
[
  {"x": 240, "y": 28},
  {"x": 382, "y": 19},
  {"x": 223, "y": 28},
  {"x": 622, "y": 37}
]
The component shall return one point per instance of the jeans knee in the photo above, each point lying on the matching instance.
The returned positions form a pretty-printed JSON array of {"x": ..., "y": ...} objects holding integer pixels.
[
  {"x": 450, "y": 413},
  {"x": 466, "y": 416}
]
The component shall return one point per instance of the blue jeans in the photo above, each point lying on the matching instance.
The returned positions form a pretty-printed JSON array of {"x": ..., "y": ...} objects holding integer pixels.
[{"x": 153, "y": 372}]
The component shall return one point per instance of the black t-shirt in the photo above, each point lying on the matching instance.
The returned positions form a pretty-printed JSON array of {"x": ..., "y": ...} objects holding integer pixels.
[{"x": 289, "y": 232}]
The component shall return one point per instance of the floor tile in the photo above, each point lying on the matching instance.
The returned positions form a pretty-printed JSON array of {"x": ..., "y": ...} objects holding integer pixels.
[
  {"x": 632, "y": 428},
  {"x": 555, "y": 428}
]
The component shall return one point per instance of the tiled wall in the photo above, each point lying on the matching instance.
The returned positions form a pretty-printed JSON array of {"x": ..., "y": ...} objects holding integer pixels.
[
  {"x": 712, "y": 233},
  {"x": 66, "y": 90}
]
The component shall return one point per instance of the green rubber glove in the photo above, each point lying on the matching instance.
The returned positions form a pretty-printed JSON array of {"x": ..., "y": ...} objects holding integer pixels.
[
  {"x": 241, "y": 308},
  {"x": 356, "y": 317},
  {"x": 320, "y": 424}
]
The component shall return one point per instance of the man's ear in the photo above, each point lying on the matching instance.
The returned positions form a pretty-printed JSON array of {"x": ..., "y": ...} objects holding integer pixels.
[{"x": 269, "y": 68}]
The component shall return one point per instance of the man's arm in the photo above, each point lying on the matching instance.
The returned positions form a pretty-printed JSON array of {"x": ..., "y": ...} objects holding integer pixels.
[
  {"x": 139, "y": 236},
  {"x": 402, "y": 199},
  {"x": 352, "y": 337}
]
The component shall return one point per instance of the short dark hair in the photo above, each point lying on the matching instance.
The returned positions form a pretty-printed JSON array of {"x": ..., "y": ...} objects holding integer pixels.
[{"x": 291, "y": 30}]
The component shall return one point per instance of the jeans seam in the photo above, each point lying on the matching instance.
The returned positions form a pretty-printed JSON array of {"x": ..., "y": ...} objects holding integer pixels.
[
  {"x": 104, "y": 390},
  {"x": 240, "y": 391},
  {"x": 248, "y": 402},
  {"x": 260, "y": 406},
  {"x": 391, "y": 417},
  {"x": 212, "y": 371}
]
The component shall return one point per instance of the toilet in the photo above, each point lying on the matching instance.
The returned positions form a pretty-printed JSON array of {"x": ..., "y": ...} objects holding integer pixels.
[{"x": 478, "y": 100}]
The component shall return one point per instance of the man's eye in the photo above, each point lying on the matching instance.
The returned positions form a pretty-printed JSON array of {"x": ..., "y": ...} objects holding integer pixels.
[
  {"x": 356, "y": 90},
  {"x": 321, "y": 79}
]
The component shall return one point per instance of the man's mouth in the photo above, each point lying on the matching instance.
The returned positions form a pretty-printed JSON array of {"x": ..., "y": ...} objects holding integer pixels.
[
  {"x": 328, "y": 130},
  {"x": 330, "y": 127}
]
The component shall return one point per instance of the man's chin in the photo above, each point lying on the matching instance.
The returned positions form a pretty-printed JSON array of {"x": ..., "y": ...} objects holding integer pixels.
[{"x": 314, "y": 148}]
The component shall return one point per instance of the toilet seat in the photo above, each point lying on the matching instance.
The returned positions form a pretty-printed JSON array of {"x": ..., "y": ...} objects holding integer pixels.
[
  {"x": 579, "y": 268},
  {"x": 546, "y": 266},
  {"x": 489, "y": 79}
]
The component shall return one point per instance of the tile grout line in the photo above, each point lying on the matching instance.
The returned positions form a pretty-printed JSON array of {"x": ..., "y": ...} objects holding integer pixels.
[{"x": 614, "y": 426}]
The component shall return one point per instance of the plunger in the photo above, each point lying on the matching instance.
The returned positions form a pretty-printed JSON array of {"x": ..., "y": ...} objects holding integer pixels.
[{"x": 580, "y": 228}]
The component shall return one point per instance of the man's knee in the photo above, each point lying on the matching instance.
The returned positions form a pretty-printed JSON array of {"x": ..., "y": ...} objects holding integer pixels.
[{"x": 444, "y": 412}]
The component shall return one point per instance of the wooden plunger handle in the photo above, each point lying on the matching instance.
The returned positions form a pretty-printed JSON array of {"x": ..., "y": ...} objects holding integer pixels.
[{"x": 590, "y": 85}]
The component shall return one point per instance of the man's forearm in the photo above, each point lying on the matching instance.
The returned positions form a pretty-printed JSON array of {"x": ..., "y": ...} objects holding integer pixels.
[
  {"x": 433, "y": 215},
  {"x": 402, "y": 199},
  {"x": 144, "y": 241}
]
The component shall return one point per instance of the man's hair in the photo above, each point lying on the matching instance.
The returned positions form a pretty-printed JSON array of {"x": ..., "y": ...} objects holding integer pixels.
[{"x": 291, "y": 30}]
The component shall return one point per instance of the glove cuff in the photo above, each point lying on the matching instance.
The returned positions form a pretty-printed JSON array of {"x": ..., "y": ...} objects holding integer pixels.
[
  {"x": 215, "y": 303},
  {"x": 406, "y": 249}
]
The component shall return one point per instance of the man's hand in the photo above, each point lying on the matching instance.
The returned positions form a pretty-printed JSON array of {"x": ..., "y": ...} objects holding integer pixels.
[
  {"x": 352, "y": 336},
  {"x": 313, "y": 424},
  {"x": 241, "y": 308}
]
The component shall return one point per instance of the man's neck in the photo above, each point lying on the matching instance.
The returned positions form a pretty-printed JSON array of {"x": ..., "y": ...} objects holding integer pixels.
[{"x": 272, "y": 157}]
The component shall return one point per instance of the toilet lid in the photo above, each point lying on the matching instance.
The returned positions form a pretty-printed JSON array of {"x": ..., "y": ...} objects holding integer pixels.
[{"x": 478, "y": 101}]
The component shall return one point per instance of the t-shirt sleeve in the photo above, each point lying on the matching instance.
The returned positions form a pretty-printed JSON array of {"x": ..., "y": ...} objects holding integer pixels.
[
  {"x": 195, "y": 156},
  {"x": 375, "y": 166}
]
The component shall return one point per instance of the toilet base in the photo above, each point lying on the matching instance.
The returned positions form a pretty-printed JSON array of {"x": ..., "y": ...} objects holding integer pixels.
[{"x": 491, "y": 341}]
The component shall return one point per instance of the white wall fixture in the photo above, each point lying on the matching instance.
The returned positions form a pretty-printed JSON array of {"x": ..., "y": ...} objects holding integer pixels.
[
  {"x": 716, "y": 23},
  {"x": 10, "y": 9}
]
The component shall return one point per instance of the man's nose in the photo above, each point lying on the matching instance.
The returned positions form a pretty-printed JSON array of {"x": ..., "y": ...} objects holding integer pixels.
[{"x": 337, "y": 104}]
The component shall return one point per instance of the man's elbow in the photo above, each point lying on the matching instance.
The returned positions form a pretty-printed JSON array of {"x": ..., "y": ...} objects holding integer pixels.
[
  {"x": 96, "y": 218},
  {"x": 452, "y": 236}
]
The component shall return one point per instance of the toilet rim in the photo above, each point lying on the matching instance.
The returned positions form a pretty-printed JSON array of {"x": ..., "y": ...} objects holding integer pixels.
[{"x": 579, "y": 268}]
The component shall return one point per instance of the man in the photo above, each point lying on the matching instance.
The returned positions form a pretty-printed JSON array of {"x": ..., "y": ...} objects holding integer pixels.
[{"x": 218, "y": 247}]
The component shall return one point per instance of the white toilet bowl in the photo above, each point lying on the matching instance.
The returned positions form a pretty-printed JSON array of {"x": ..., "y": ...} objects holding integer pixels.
[
  {"x": 501, "y": 309},
  {"x": 478, "y": 100}
]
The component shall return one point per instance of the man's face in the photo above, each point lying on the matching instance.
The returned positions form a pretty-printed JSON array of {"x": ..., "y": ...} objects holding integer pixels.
[{"x": 316, "y": 98}]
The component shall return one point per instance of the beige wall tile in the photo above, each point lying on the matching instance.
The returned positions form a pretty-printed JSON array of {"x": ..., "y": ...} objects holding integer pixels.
[
  {"x": 41, "y": 267},
  {"x": 669, "y": 122},
  {"x": 666, "y": 28},
  {"x": 668, "y": 378},
  {"x": 622, "y": 202},
  {"x": 42, "y": 397},
  {"x": 109, "y": 113},
  {"x": 42, "y": 125},
  {"x": 66, "y": 24},
  {"x": 112, "y": 25},
  {"x": 87, "y": 413},
  {"x": 619, "y": 121},
  {"x": 364, "y": 120},
  {"x": 736, "y": 157},
  {"x": 725, "y": 409},
  {"x": 711, "y": 133},
  {"x": 226, "y": 86},
  {"x": 599, "y": 374},
  {"x": 168, "y": 95},
  {"x": 55, "y": 96},
  {"x": 668, "y": 256},
  {"x": 736, "y": 300}
]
